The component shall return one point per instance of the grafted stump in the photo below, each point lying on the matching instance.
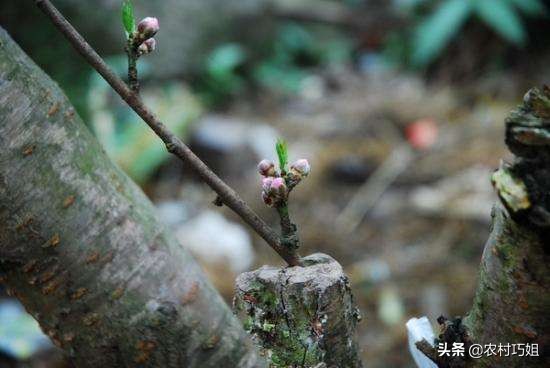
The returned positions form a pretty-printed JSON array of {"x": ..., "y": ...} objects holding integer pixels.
[{"x": 300, "y": 316}]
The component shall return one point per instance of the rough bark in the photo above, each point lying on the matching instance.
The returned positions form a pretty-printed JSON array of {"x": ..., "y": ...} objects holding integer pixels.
[
  {"x": 512, "y": 301},
  {"x": 513, "y": 297},
  {"x": 81, "y": 249},
  {"x": 302, "y": 316}
]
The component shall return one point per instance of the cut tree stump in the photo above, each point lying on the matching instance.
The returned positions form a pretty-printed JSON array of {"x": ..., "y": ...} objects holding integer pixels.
[{"x": 300, "y": 316}]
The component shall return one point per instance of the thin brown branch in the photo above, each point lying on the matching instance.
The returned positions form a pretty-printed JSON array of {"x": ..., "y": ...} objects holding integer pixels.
[
  {"x": 428, "y": 351},
  {"x": 174, "y": 145}
]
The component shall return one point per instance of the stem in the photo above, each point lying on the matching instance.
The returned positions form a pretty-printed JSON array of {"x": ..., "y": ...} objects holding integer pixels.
[
  {"x": 133, "y": 56},
  {"x": 289, "y": 230},
  {"x": 174, "y": 145}
]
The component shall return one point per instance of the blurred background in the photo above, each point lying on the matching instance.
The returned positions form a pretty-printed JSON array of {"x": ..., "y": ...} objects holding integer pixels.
[{"x": 398, "y": 105}]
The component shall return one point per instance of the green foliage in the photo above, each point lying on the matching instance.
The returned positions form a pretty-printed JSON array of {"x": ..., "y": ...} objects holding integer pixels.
[
  {"x": 225, "y": 59},
  {"x": 282, "y": 153},
  {"x": 280, "y": 63},
  {"x": 434, "y": 33},
  {"x": 503, "y": 18},
  {"x": 437, "y": 29},
  {"x": 294, "y": 52},
  {"x": 128, "y": 20},
  {"x": 220, "y": 78}
]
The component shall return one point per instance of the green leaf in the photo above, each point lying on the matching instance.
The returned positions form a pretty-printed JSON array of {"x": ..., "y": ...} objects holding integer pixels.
[
  {"x": 501, "y": 16},
  {"x": 435, "y": 32},
  {"x": 282, "y": 153},
  {"x": 128, "y": 19},
  {"x": 531, "y": 7}
]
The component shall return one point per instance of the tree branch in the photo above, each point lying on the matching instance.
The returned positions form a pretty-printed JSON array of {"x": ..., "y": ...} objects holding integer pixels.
[
  {"x": 289, "y": 230},
  {"x": 174, "y": 145},
  {"x": 81, "y": 248}
]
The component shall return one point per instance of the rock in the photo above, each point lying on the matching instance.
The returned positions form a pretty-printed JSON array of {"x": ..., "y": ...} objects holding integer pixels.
[
  {"x": 217, "y": 241},
  {"x": 467, "y": 194},
  {"x": 300, "y": 316},
  {"x": 172, "y": 213},
  {"x": 229, "y": 145}
]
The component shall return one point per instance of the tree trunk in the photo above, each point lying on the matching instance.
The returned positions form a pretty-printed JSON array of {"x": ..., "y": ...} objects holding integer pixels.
[
  {"x": 509, "y": 317},
  {"x": 513, "y": 300},
  {"x": 81, "y": 249}
]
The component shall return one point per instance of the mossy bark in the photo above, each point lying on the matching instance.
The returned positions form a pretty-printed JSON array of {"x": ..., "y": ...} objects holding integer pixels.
[
  {"x": 512, "y": 300},
  {"x": 81, "y": 249},
  {"x": 301, "y": 316}
]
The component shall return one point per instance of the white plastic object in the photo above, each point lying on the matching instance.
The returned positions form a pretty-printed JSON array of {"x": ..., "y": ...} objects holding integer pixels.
[{"x": 418, "y": 329}]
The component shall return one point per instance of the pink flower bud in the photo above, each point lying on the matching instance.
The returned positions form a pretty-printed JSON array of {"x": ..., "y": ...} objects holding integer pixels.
[
  {"x": 301, "y": 167},
  {"x": 274, "y": 190},
  {"x": 278, "y": 187},
  {"x": 148, "y": 27},
  {"x": 266, "y": 168},
  {"x": 151, "y": 44},
  {"x": 147, "y": 46},
  {"x": 266, "y": 184}
]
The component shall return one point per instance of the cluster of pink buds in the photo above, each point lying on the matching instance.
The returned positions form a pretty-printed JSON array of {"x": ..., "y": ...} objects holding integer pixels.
[
  {"x": 274, "y": 191},
  {"x": 146, "y": 29},
  {"x": 275, "y": 187}
]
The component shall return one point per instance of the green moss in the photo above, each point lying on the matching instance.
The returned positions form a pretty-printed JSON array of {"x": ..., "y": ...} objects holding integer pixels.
[
  {"x": 248, "y": 323},
  {"x": 267, "y": 298},
  {"x": 287, "y": 339}
]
